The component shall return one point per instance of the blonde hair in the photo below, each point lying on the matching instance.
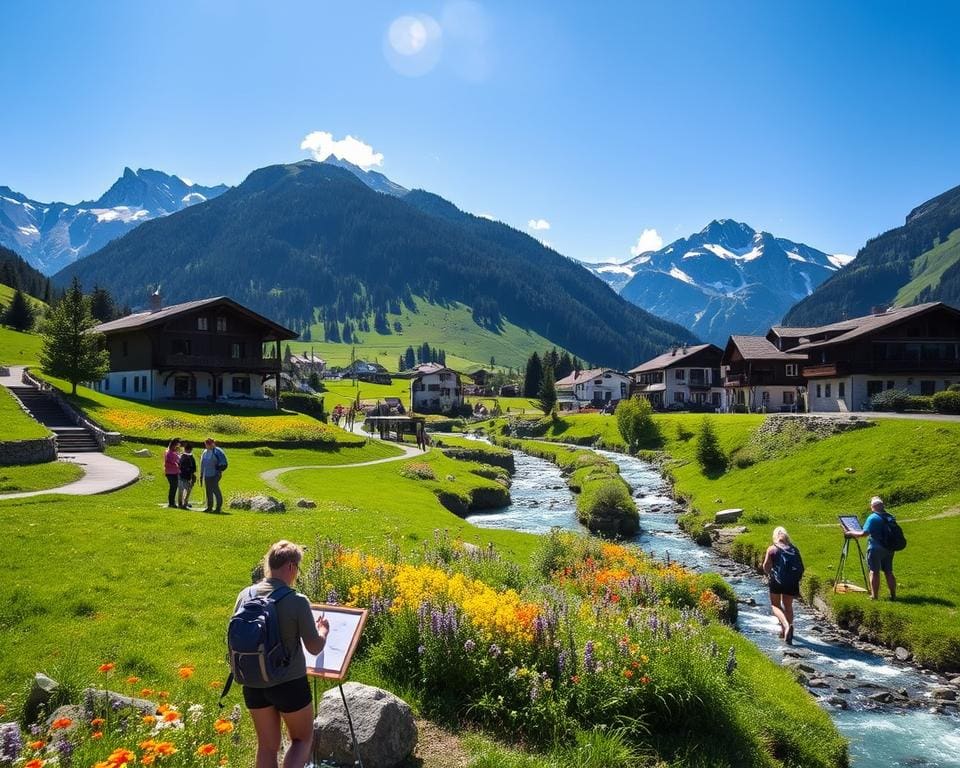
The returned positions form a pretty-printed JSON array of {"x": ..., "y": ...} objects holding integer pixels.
[
  {"x": 780, "y": 536},
  {"x": 280, "y": 554}
]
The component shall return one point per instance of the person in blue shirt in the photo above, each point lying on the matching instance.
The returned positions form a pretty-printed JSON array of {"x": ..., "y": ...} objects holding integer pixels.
[
  {"x": 879, "y": 558},
  {"x": 213, "y": 462}
]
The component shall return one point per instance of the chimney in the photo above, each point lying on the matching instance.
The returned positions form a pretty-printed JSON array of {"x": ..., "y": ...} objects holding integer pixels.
[{"x": 156, "y": 303}]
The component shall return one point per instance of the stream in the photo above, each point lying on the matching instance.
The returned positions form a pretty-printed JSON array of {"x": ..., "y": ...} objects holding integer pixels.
[{"x": 904, "y": 731}]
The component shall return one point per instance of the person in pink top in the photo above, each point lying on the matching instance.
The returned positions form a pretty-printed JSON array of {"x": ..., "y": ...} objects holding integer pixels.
[{"x": 171, "y": 468}]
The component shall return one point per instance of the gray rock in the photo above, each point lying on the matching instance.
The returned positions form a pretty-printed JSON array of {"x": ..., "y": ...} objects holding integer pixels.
[
  {"x": 96, "y": 701},
  {"x": 70, "y": 711},
  {"x": 902, "y": 654},
  {"x": 142, "y": 452},
  {"x": 307, "y": 504},
  {"x": 384, "y": 725},
  {"x": 881, "y": 697},
  {"x": 838, "y": 701},
  {"x": 42, "y": 690},
  {"x": 267, "y": 504},
  {"x": 818, "y": 682},
  {"x": 727, "y": 515},
  {"x": 955, "y": 680},
  {"x": 842, "y": 689},
  {"x": 849, "y": 470},
  {"x": 795, "y": 654},
  {"x": 942, "y": 693},
  {"x": 799, "y": 665},
  {"x": 849, "y": 676}
]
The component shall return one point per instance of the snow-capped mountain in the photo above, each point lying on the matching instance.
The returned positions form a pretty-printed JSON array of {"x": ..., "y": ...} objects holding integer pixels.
[
  {"x": 727, "y": 279},
  {"x": 52, "y": 235},
  {"x": 376, "y": 181}
]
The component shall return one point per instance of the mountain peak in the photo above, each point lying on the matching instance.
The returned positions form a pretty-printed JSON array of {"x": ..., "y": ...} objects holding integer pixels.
[{"x": 373, "y": 179}]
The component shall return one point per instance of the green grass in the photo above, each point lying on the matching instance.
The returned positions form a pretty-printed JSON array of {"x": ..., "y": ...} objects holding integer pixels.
[
  {"x": 929, "y": 267},
  {"x": 38, "y": 477},
  {"x": 451, "y": 328},
  {"x": 18, "y": 348},
  {"x": 6, "y": 296},
  {"x": 17, "y": 423},
  {"x": 344, "y": 392},
  {"x": 521, "y": 405},
  {"x": 225, "y": 424}
]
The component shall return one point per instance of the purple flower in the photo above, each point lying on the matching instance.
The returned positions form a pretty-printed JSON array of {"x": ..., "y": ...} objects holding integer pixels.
[
  {"x": 332, "y": 597},
  {"x": 65, "y": 749},
  {"x": 589, "y": 662},
  {"x": 562, "y": 660},
  {"x": 653, "y": 622},
  {"x": 469, "y": 646},
  {"x": 539, "y": 628},
  {"x": 535, "y": 688},
  {"x": 11, "y": 743},
  {"x": 494, "y": 650}
]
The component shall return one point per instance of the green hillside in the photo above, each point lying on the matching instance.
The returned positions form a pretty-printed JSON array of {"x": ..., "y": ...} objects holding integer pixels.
[
  {"x": 928, "y": 269},
  {"x": 451, "y": 328},
  {"x": 18, "y": 348},
  {"x": 6, "y": 296}
]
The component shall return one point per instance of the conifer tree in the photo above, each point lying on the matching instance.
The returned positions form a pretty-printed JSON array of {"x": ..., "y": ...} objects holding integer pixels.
[
  {"x": 410, "y": 359},
  {"x": 547, "y": 396},
  {"x": 20, "y": 314},
  {"x": 533, "y": 377},
  {"x": 101, "y": 304},
  {"x": 71, "y": 349}
]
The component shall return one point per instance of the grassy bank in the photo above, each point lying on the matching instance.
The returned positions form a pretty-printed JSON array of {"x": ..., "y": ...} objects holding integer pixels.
[
  {"x": 17, "y": 423},
  {"x": 804, "y": 483},
  {"x": 18, "y": 348},
  {"x": 38, "y": 477}
]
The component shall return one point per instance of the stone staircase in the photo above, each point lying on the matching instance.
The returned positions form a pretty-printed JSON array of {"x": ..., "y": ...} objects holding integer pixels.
[{"x": 45, "y": 409}]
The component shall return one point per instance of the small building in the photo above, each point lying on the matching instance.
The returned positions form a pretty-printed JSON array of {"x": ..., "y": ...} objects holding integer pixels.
[
  {"x": 510, "y": 390},
  {"x": 435, "y": 389},
  {"x": 683, "y": 377},
  {"x": 209, "y": 349},
  {"x": 760, "y": 377},
  {"x": 371, "y": 373},
  {"x": 916, "y": 349},
  {"x": 306, "y": 364},
  {"x": 593, "y": 388}
]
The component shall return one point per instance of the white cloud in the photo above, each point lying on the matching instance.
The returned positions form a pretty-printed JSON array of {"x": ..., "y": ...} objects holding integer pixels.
[
  {"x": 649, "y": 240},
  {"x": 488, "y": 216},
  {"x": 322, "y": 144},
  {"x": 538, "y": 224}
]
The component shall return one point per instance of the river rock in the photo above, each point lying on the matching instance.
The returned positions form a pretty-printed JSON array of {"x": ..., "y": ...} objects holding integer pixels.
[
  {"x": 942, "y": 693},
  {"x": 727, "y": 515},
  {"x": 799, "y": 666},
  {"x": 306, "y": 504},
  {"x": 842, "y": 689},
  {"x": 818, "y": 682},
  {"x": 795, "y": 654},
  {"x": 838, "y": 701},
  {"x": 849, "y": 676},
  {"x": 384, "y": 726},
  {"x": 42, "y": 690},
  {"x": 902, "y": 654},
  {"x": 955, "y": 680},
  {"x": 881, "y": 697}
]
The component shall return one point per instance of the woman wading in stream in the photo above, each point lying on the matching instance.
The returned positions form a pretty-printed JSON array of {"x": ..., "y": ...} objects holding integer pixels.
[{"x": 783, "y": 567}]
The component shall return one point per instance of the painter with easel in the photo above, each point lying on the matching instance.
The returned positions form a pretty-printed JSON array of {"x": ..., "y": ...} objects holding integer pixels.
[{"x": 886, "y": 538}]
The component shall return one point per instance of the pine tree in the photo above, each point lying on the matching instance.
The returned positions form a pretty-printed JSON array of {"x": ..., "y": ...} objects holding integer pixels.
[
  {"x": 547, "y": 396},
  {"x": 101, "y": 304},
  {"x": 709, "y": 454},
  {"x": 400, "y": 363},
  {"x": 410, "y": 359},
  {"x": 71, "y": 349},
  {"x": 442, "y": 357},
  {"x": 348, "y": 332},
  {"x": 287, "y": 354},
  {"x": 533, "y": 377},
  {"x": 564, "y": 366},
  {"x": 20, "y": 315}
]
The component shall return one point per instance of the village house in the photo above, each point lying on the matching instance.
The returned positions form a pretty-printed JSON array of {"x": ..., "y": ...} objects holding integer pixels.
[
  {"x": 682, "y": 377},
  {"x": 306, "y": 364},
  {"x": 594, "y": 388},
  {"x": 371, "y": 373},
  {"x": 916, "y": 349},
  {"x": 434, "y": 388},
  {"x": 209, "y": 349},
  {"x": 760, "y": 377}
]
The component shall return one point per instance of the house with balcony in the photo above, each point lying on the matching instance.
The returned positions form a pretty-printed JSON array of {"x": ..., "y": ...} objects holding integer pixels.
[
  {"x": 594, "y": 388},
  {"x": 209, "y": 349},
  {"x": 435, "y": 389},
  {"x": 916, "y": 349},
  {"x": 681, "y": 378},
  {"x": 759, "y": 377}
]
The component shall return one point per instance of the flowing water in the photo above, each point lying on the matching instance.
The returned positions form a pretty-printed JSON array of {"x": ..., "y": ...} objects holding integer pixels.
[{"x": 901, "y": 733}]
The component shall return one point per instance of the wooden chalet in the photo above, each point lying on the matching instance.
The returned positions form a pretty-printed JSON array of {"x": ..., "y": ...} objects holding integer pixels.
[{"x": 759, "y": 377}]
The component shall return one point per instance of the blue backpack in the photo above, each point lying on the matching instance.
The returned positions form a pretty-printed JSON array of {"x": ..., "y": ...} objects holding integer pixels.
[
  {"x": 255, "y": 650},
  {"x": 892, "y": 537},
  {"x": 221, "y": 458},
  {"x": 788, "y": 567}
]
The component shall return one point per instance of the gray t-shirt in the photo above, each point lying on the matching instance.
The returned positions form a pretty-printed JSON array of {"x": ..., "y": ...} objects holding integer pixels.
[{"x": 296, "y": 622}]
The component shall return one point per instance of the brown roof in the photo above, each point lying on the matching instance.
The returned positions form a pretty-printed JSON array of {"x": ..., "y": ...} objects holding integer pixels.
[
  {"x": 668, "y": 359},
  {"x": 146, "y": 319},
  {"x": 860, "y": 326},
  {"x": 578, "y": 377},
  {"x": 759, "y": 348}
]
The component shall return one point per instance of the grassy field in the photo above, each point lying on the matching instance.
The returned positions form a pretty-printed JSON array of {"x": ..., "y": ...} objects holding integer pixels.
[
  {"x": 17, "y": 423},
  {"x": 38, "y": 477},
  {"x": 226, "y": 425},
  {"x": 126, "y": 581},
  {"x": 521, "y": 405},
  {"x": 6, "y": 296},
  {"x": 806, "y": 485},
  {"x": 344, "y": 392},
  {"x": 468, "y": 345},
  {"x": 18, "y": 348}
]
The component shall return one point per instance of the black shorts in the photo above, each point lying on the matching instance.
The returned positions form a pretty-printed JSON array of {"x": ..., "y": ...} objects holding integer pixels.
[
  {"x": 290, "y": 696},
  {"x": 776, "y": 588}
]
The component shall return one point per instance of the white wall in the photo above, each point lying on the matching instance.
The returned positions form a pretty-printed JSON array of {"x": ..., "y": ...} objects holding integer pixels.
[{"x": 139, "y": 384}]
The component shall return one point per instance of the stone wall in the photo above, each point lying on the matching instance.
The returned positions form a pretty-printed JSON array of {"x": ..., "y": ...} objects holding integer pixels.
[{"x": 28, "y": 451}]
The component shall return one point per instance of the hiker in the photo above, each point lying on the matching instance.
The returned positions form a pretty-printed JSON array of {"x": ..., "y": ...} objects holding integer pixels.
[
  {"x": 879, "y": 554},
  {"x": 188, "y": 475},
  {"x": 213, "y": 462},
  {"x": 171, "y": 468},
  {"x": 784, "y": 567},
  {"x": 287, "y": 698}
]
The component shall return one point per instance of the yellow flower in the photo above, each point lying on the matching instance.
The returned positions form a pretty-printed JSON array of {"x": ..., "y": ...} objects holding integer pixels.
[
  {"x": 206, "y": 750},
  {"x": 223, "y": 726}
]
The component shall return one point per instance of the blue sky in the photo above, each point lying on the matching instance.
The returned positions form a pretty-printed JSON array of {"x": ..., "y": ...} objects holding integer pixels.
[{"x": 821, "y": 122}]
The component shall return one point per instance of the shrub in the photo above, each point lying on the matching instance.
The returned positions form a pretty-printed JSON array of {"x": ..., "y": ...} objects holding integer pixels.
[
  {"x": 920, "y": 403},
  {"x": 225, "y": 425},
  {"x": 636, "y": 424},
  {"x": 418, "y": 470},
  {"x": 947, "y": 402},
  {"x": 709, "y": 454},
  {"x": 262, "y": 452},
  {"x": 302, "y": 402},
  {"x": 683, "y": 434},
  {"x": 890, "y": 400}
]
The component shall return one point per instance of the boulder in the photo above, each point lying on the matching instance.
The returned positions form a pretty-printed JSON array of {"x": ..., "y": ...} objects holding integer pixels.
[
  {"x": 818, "y": 682},
  {"x": 942, "y": 693},
  {"x": 384, "y": 726},
  {"x": 842, "y": 689},
  {"x": 267, "y": 504},
  {"x": 727, "y": 515},
  {"x": 838, "y": 701},
  {"x": 306, "y": 504},
  {"x": 902, "y": 654},
  {"x": 798, "y": 665},
  {"x": 142, "y": 452},
  {"x": 71, "y": 712},
  {"x": 96, "y": 701},
  {"x": 42, "y": 690},
  {"x": 881, "y": 697}
]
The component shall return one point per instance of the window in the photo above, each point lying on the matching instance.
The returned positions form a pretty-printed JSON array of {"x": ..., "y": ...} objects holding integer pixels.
[
  {"x": 238, "y": 350},
  {"x": 241, "y": 384},
  {"x": 681, "y": 374},
  {"x": 928, "y": 387},
  {"x": 842, "y": 390},
  {"x": 791, "y": 369},
  {"x": 202, "y": 324},
  {"x": 136, "y": 383},
  {"x": 143, "y": 383},
  {"x": 819, "y": 393},
  {"x": 715, "y": 398},
  {"x": 874, "y": 387},
  {"x": 678, "y": 397},
  {"x": 826, "y": 389},
  {"x": 123, "y": 384},
  {"x": 765, "y": 398},
  {"x": 124, "y": 348},
  {"x": 106, "y": 385},
  {"x": 180, "y": 346},
  {"x": 788, "y": 397},
  {"x": 221, "y": 324}
]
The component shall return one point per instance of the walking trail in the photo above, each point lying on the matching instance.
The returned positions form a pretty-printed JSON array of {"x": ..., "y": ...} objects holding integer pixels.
[{"x": 101, "y": 473}]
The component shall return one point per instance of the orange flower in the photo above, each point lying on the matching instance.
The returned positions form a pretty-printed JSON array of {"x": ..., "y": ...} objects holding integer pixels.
[
  {"x": 61, "y": 722},
  {"x": 3, "y": 709},
  {"x": 645, "y": 680},
  {"x": 121, "y": 756},
  {"x": 206, "y": 750},
  {"x": 146, "y": 691},
  {"x": 223, "y": 761},
  {"x": 628, "y": 673},
  {"x": 106, "y": 667},
  {"x": 164, "y": 694},
  {"x": 97, "y": 721},
  {"x": 35, "y": 763},
  {"x": 149, "y": 719},
  {"x": 165, "y": 748},
  {"x": 133, "y": 679},
  {"x": 96, "y": 735},
  {"x": 575, "y": 679},
  {"x": 36, "y": 744},
  {"x": 215, "y": 684},
  {"x": 223, "y": 726},
  {"x": 171, "y": 716},
  {"x": 148, "y": 745},
  {"x": 163, "y": 708},
  {"x": 185, "y": 673},
  {"x": 148, "y": 759}
]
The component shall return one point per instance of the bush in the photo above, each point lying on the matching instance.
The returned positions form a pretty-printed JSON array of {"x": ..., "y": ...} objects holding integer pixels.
[
  {"x": 920, "y": 403},
  {"x": 636, "y": 424},
  {"x": 302, "y": 402},
  {"x": 709, "y": 454},
  {"x": 262, "y": 452},
  {"x": 890, "y": 400},
  {"x": 418, "y": 470},
  {"x": 947, "y": 402},
  {"x": 226, "y": 425}
]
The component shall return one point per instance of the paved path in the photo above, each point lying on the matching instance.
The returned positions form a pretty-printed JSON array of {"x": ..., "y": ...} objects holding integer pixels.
[
  {"x": 271, "y": 476},
  {"x": 101, "y": 474},
  {"x": 15, "y": 379}
]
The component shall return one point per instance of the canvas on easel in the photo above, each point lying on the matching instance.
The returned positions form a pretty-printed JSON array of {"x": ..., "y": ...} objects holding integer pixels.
[{"x": 346, "y": 625}]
